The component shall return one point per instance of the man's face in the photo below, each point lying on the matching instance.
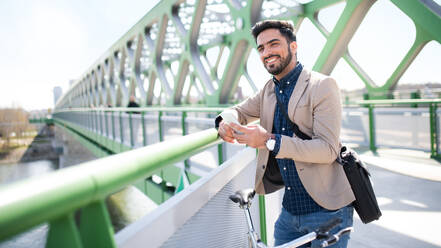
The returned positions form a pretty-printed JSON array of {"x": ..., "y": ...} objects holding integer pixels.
[{"x": 274, "y": 51}]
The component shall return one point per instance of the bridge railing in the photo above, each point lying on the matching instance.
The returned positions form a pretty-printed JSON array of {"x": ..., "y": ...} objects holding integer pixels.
[
  {"x": 405, "y": 123},
  {"x": 55, "y": 197},
  {"x": 123, "y": 129},
  {"x": 402, "y": 123},
  {"x": 409, "y": 124}
]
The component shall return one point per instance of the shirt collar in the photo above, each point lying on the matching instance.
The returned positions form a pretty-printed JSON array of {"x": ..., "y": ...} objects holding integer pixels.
[{"x": 291, "y": 77}]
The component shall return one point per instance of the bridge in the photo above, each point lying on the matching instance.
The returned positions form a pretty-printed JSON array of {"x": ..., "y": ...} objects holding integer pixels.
[{"x": 185, "y": 61}]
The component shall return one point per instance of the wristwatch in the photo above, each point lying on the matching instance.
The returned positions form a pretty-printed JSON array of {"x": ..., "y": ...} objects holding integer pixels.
[{"x": 271, "y": 143}]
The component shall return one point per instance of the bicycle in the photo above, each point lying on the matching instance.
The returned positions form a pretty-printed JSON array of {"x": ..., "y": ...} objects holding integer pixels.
[{"x": 245, "y": 197}]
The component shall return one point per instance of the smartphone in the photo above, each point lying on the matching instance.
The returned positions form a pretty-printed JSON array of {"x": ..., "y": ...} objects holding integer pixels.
[{"x": 230, "y": 118}]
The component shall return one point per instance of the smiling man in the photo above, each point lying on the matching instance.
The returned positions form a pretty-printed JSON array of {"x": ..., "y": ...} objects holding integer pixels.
[{"x": 316, "y": 188}]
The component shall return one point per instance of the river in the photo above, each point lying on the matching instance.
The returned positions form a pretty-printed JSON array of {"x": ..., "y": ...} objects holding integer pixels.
[
  {"x": 12, "y": 172},
  {"x": 72, "y": 153}
]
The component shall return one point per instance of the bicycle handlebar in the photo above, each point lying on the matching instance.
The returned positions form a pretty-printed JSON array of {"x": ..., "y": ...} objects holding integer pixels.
[
  {"x": 322, "y": 231},
  {"x": 245, "y": 197},
  {"x": 334, "y": 238}
]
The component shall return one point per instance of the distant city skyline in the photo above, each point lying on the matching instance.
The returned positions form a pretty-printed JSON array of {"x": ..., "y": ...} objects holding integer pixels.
[{"x": 48, "y": 43}]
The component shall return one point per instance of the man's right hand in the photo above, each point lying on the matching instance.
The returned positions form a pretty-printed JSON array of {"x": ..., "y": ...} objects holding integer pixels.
[{"x": 225, "y": 132}]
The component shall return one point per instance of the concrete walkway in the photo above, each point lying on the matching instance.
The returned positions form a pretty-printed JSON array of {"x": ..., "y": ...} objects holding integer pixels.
[{"x": 408, "y": 188}]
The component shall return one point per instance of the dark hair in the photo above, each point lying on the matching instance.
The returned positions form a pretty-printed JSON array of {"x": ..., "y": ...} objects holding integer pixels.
[{"x": 285, "y": 28}]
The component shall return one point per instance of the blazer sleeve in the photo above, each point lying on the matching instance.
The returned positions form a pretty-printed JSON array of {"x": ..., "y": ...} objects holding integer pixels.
[
  {"x": 326, "y": 124},
  {"x": 245, "y": 112}
]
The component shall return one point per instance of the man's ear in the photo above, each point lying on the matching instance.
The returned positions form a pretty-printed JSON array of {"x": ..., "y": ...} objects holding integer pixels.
[{"x": 293, "y": 47}]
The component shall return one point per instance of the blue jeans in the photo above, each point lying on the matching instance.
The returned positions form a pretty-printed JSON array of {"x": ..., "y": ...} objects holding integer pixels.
[{"x": 289, "y": 227}]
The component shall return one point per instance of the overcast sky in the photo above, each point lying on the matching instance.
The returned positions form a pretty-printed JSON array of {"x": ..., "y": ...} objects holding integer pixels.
[{"x": 46, "y": 43}]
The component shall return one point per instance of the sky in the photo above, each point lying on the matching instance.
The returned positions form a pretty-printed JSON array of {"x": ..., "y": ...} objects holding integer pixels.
[{"x": 47, "y": 43}]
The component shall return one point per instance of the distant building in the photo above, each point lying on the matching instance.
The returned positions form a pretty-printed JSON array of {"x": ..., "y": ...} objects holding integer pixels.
[{"x": 57, "y": 94}]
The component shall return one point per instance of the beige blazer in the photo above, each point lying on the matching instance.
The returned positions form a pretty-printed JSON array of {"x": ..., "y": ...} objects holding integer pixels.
[{"x": 315, "y": 107}]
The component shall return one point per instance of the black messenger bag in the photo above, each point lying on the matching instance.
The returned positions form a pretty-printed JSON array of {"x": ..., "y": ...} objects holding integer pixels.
[{"x": 358, "y": 176}]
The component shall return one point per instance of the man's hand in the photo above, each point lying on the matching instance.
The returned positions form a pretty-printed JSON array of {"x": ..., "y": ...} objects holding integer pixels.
[
  {"x": 225, "y": 132},
  {"x": 252, "y": 135}
]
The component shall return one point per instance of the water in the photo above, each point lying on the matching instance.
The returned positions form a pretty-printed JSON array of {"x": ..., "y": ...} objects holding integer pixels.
[
  {"x": 9, "y": 173},
  {"x": 73, "y": 153},
  {"x": 14, "y": 172},
  {"x": 34, "y": 238}
]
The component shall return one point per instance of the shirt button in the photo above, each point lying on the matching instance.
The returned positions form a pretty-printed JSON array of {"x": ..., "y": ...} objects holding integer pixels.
[
  {"x": 263, "y": 166},
  {"x": 283, "y": 129},
  {"x": 289, "y": 188},
  {"x": 287, "y": 82},
  {"x": 284, "y": 168},
  {"x": 281, "y": 92}
]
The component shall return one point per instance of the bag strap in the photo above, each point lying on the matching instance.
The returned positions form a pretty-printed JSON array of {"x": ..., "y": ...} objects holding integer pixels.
[{"x": 296, "y": 129}]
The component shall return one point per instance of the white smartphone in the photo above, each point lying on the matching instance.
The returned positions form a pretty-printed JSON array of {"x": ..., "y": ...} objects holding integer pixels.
[{"x": 230, "y": 118}]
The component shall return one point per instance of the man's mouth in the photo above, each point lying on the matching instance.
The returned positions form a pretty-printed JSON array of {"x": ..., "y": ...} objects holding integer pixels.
[{"x": 271, "y": 59}]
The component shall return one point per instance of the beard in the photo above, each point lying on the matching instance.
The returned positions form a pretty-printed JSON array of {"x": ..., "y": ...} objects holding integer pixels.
[{"x": 276, "y": 69}]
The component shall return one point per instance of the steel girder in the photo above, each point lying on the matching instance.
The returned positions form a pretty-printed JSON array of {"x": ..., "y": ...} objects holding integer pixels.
[{"x": 163, "y": 58}]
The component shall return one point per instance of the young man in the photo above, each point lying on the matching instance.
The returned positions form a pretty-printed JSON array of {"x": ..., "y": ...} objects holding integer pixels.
[{"x": 316, "y": 188}]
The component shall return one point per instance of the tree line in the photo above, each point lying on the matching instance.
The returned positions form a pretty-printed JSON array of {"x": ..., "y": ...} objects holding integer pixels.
[{"x": 14, "y": 123}]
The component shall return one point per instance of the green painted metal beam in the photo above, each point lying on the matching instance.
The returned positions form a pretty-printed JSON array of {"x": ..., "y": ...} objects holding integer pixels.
[
  {"x": 63, "y": 232},
  {"x": 425, "y": 15},
  {"x": 69, "y": 189},
  {"x": 95, "y": 226},
  {"x": 149, "y": 49},
  {"x": 339, "y": 38}
]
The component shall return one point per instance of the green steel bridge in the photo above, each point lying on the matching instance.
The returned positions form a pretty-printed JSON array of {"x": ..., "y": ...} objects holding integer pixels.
[{"x": 185, "y": 61}]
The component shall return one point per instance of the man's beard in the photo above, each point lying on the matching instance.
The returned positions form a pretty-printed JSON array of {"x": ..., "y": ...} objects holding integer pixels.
[{"x": 277, "y": 69}]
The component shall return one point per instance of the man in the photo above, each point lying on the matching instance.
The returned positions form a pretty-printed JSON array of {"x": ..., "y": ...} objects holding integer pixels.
[
  {"x": 133, "y": 104},
  {"x": 316, "y": 188}
]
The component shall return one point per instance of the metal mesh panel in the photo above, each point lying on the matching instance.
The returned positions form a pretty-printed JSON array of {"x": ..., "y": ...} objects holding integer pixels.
[
  {"x": 137, "y": 130},
  {"x": 102, "y": 123},
  {"x": 355, "y": 126},
  {"x": 403, "y": 127},
  {"x": 126, "y": 129},
  {"x": 220, "y": 223},
  {"x": 117, "y": 127},
  {"x": 171, "y": 125},
  {"x": 202, "y": 215},
  {"x": 151, "y": 127},
  {"x": 199, "y": 121},
  {"x": 109, "y": 126},
  {"x": 438, "y": 128}
]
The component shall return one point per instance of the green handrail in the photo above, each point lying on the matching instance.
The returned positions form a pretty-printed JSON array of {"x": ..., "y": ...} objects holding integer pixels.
[
  {"x": 431, "y": 103},
  {"x": 42, "y": 199},
  {"x": 398, "y": 101},
  {"x": 147, "y": 109}
]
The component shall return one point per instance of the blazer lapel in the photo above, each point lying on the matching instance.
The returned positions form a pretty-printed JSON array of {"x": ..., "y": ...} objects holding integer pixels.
[{"x": 300, "y": 87}]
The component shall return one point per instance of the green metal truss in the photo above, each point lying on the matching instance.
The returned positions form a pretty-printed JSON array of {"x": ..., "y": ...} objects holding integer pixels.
[{"x": 163, "y": 58}]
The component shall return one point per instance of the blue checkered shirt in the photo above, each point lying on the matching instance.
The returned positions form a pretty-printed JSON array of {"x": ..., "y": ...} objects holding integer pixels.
[{"x": 296, "y": 200}]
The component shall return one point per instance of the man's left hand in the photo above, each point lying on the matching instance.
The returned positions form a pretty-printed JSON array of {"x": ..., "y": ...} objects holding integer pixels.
[{"x": 252, "y": 135}]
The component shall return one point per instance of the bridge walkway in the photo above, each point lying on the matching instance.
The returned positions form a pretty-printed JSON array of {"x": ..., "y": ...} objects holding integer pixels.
[{"x": 408, "y": 185}]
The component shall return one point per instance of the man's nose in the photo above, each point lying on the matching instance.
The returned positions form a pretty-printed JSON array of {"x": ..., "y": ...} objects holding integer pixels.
[{"x": 266, "y": 53}]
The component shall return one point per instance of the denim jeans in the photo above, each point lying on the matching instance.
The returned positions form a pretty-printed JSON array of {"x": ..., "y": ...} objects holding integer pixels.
[{"x": 289, "y": 227}]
